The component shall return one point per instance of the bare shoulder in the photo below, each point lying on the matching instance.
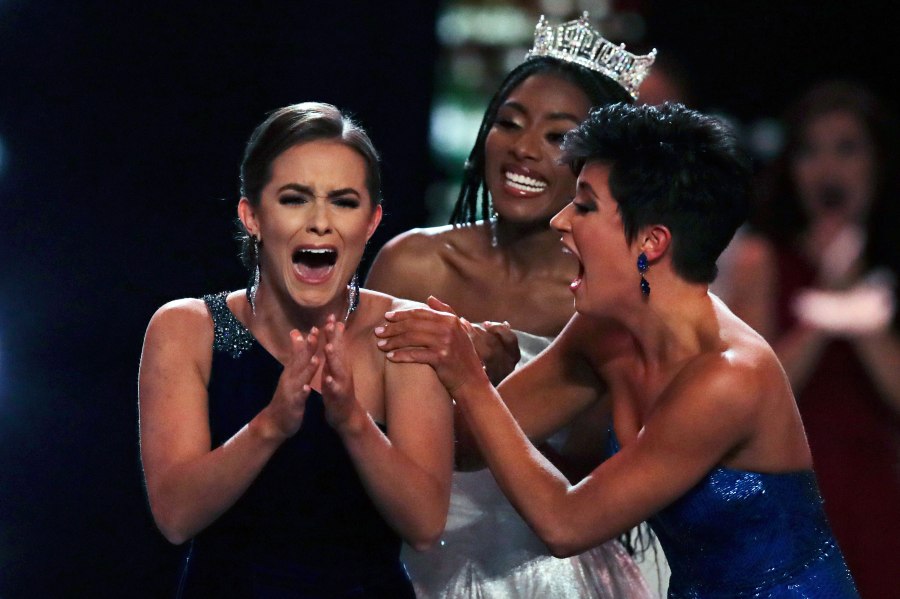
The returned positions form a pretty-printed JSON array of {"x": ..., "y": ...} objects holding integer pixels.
[
  {"x": 188, "y": 316},
  {"x": 183, "y": 325},
  {"x": 379, "y": 302},
  {"x": 736, "y": 381},
  {"x": 419, "y": 259}
]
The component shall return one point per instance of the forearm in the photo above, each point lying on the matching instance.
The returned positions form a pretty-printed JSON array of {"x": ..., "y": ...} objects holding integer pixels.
[
  {"x": 413, "y": 501},
  {"x": 880, "y": 353},
  {"x": 187, "y": 497}
]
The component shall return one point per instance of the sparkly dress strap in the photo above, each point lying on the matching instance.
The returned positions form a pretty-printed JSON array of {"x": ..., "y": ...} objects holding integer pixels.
[{"x": 229, "y": 334}]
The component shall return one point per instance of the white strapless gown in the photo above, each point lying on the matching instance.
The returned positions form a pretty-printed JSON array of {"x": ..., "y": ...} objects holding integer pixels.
[{"x": 488, "y": 552}]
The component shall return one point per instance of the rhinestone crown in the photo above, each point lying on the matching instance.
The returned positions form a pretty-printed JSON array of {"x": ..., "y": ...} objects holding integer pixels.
[{"x": 578, "y": 42}]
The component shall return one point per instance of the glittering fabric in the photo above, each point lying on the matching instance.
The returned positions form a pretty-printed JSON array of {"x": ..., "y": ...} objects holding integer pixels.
[
  {"x": 750, "y": 534},
  {"x": 230, "y": 335},
  {"x": 488, "y": 552}
]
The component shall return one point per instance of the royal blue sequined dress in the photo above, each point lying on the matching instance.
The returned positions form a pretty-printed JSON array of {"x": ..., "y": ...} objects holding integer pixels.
[
  {"x": 305, "y": 528},
  {"x": 749, "y": 534}
]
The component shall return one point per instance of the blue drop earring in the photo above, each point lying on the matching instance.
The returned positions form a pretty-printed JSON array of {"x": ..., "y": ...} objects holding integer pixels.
[{"x": 642, "y": 266}]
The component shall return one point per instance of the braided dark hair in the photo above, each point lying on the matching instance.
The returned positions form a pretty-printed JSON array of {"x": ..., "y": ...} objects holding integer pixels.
[{"x": 600, "y": 90}]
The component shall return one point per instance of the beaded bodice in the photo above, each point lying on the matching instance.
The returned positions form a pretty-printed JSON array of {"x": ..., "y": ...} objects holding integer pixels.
[{"x": 229, "y": 334}]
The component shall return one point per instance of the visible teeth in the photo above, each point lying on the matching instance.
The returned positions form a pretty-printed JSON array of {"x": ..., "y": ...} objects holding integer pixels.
[
  {"x": 317, "y": 251},
  {"x": 525, "y": 183}
]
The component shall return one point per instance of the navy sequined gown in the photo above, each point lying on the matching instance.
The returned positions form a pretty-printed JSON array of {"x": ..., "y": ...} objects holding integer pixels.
[
  {"x": 748, "y": 534},
  {"x": 305, "y": 527}
]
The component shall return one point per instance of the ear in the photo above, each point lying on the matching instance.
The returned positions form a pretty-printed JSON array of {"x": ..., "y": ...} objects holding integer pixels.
[
  {"x": 247, "y": 214},
  {"x": 655, "y": 241},
  {"x": 374, "y": 221}
]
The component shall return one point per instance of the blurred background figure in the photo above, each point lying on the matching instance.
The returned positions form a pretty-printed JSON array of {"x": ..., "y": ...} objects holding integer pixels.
[{"x": 816, "y": 274}]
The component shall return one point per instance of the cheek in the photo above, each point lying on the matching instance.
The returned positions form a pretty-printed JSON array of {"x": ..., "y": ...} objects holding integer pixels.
[
  {"x": 491, "y": 148},
  {"x": 565, "y": 179}
]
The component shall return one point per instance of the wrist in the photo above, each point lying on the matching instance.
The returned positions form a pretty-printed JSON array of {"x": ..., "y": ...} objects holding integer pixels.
[
  {"x": 354, "y": 424},
  {"x": 474, "y": 384},
  {"x": 264, "y": 428}
]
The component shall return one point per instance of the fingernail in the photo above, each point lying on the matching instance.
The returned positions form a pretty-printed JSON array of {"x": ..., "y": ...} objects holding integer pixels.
[
  {"x": 390, "y": 354},
  {"x": 381, "y": 342},
  {"x": 389, "y": 315},
  {"x": 379, "y": 330},
  {"x": 313, "y": 331}
]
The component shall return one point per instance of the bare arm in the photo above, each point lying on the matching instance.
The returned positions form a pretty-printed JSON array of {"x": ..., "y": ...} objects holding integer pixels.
[
  {"x": 545, "y": 394},
  {"x": 548, "y": 392},
  {"x": 190, "y": 484},
  {"x": 406, "y": 473},
  {"x": 696, "y": 424}
]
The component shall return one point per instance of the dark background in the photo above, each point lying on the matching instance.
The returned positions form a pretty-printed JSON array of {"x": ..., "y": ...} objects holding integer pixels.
[{"x": 123, "y": 128}]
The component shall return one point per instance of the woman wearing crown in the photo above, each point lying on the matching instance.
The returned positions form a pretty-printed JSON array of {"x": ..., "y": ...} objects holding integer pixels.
[
  {"x": 275, "y": 437},
  {"x": 507, "y": 273},
  {"x": 706, "y": 439}
]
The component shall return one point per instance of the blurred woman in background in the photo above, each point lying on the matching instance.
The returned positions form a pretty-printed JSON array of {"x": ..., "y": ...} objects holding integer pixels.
[{"x": 817, "y": 276}]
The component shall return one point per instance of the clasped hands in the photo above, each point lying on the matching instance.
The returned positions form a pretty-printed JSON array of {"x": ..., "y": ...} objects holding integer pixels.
[
  {"x": 285, "y": 412},
  {"x": 438, "y": 337}
]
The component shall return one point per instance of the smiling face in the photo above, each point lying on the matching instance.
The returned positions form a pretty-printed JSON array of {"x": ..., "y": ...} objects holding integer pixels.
[
  {"x": 834, "y": 167},
  {"x": 526, "y": 182},
  {"x": 313, "y": 220},
  {"x": 591, "y": 228}
]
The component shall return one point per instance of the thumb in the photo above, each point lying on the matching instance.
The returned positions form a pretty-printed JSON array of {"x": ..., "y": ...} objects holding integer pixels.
[{"x": 436, "y": 304}]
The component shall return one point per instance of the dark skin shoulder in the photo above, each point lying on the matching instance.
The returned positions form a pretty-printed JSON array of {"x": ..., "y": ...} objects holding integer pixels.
[{"x": 459, "y": 266}]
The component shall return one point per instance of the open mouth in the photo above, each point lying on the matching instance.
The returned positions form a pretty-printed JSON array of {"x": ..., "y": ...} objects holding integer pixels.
[
  {"x": 576, "y": 282},
  {"x": 832, "y": 197},
  {"x": 523, "y": 183},
  {"x": 314, "y": 264}
]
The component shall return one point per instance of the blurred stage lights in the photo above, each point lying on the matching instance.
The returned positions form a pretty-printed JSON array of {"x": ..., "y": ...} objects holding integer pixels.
[{"x": 488, "y": 25}]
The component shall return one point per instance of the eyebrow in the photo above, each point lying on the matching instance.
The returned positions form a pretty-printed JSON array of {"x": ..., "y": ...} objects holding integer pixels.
[
  {"x": 551, "y": 116},
  {"x": 307, "y": 190},
  {"x": 585, "y": 186}
]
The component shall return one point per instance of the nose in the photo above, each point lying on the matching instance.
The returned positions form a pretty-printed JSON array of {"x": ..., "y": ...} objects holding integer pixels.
[
  {"x": 319, "y": 219},
  {"x": 527, "y": 146},
  {"x": 560, "y": 221}
]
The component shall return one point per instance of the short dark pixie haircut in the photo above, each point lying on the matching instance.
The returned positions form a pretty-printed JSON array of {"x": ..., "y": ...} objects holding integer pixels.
[
  {"x": 600, "y": 90},
  {"x": 291, "y": 126},
  {"x": 673, "y": 166}
]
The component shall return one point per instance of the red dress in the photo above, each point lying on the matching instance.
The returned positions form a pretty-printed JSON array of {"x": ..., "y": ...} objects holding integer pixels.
[{"x": 855, "y": 441}]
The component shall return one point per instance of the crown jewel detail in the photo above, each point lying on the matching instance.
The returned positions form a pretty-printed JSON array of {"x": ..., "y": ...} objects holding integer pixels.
[{"x": 578, "y": 42}]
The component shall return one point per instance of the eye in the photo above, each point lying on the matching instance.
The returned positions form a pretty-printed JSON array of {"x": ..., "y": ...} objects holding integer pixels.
[
  {"x": 506, "y": 124},
  {"x": 292, "y": 199},
  {"x": 582, "y": 208},
  {"x": 556, "y": 137},
  {"x": 346, "y": 202}
]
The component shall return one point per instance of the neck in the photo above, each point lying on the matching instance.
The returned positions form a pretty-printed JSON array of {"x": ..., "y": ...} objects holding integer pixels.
[
  {"x": 528, "y": 246},
  {"x": 279, "y": 314},
  {"x": 674, "y": 322}
]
